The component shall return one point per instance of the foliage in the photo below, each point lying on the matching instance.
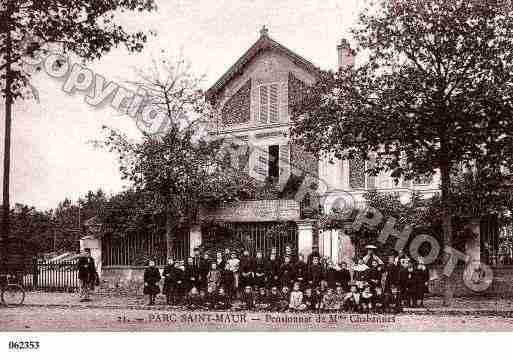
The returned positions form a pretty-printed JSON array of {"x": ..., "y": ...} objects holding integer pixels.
[
  {"x": 180, "y": 170},
  {"x": 219, "y": 237},
  {"x": 433, "y": 94},
  {"x": 88, "y": 29}
]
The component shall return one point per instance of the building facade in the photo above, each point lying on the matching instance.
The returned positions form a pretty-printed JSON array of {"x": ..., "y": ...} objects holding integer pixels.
[{"x": 253, "y": 102}]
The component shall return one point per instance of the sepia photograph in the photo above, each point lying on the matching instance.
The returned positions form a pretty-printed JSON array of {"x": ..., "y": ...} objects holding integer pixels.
[{"x": 255, "y": 166}]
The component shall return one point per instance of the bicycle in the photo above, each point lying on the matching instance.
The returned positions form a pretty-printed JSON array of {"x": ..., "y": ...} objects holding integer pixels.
[{"x": 11, "y": 293}]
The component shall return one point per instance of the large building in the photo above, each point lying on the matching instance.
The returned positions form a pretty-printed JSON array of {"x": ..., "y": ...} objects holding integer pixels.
[{"x": 253, "y": 100}]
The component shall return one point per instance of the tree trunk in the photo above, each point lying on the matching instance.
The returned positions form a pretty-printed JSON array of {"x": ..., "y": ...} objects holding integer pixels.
[
  {"x": 445, "y": 176},
  {"x": 4, "y": 262}
]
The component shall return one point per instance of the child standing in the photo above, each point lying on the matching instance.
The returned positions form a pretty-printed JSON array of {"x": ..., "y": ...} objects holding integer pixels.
[
  {"x": 213, "y": 277},
  {"x": 260, "y": 278},
  {"x": 172, "y": 282},
  {"x": 248, "y": 299},
  {"x": 151, "y": 278},
  {"x": 421, "y": 282},
  {"x": 233, "y": 266},
  {"x": 315, "y": 273}
]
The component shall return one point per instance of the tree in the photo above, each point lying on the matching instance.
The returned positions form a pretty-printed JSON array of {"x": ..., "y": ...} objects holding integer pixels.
[
  {"x": 180, "y": 169},
  {"x": 85, "y": 28},
  {"x": 433, "y": 95}
]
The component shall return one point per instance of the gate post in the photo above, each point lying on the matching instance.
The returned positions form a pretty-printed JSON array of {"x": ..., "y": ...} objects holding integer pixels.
[
  {"x": 305, "y": 237},
  {"x": 195, "y": 237}
]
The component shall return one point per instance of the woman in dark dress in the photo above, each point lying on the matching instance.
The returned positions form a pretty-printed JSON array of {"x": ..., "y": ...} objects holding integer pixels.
[{"x": 151, "y": 278}]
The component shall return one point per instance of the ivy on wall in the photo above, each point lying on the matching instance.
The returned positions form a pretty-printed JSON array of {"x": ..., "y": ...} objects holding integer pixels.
[{"x": 238, "y": 108}]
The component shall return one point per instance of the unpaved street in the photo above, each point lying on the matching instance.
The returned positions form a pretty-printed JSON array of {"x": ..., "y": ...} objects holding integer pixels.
[{"x": 67, "y": 319}]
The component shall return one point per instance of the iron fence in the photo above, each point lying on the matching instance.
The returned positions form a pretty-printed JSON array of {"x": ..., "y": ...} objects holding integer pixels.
[
  {"x": 61, "y": 275},
  {"x": 260, "y": 236},
  {"x": 134, "y": 249}
]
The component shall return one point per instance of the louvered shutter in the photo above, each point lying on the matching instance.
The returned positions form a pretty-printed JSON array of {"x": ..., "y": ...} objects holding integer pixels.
[
  {"x": 274, "y": 112},
  {"x": 284, "y": 164},
  {"x": 261, "y": 164},
  {"x": 264, "y": 104},
  {"x": 371, "y": 180}
]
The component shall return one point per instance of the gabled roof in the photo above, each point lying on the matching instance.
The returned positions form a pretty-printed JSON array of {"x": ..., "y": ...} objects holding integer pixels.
[{"x": 264, "y": 43}]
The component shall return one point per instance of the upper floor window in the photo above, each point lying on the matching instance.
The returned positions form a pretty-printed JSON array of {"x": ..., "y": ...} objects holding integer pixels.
[{"x": 268, "y": 103}]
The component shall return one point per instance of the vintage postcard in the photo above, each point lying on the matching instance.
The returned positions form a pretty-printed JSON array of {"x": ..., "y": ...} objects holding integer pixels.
[{"x": 174, "y": 165}]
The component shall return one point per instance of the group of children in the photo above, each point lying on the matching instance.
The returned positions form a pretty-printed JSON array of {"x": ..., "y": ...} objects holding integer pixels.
[{"x": 290, "y": 283}]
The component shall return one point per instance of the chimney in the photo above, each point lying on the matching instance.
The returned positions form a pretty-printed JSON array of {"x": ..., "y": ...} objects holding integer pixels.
[{"x": 345, "y": 55}]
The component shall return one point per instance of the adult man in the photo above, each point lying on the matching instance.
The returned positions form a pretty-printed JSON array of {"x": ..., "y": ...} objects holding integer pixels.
[{"x": 86, "y": 274}]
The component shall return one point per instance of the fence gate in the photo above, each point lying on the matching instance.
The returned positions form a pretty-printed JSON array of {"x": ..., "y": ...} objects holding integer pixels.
[
  {"x": 51, "y": 275},
  {"x": 134, "y": 249},
  {"x": 262, "y": 236}
]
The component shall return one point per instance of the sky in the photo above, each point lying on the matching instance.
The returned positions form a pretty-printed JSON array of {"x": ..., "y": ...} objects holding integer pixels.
[{"x": 52, "y": 154}]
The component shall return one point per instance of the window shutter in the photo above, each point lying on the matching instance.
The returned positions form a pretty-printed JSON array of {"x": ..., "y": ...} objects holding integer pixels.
[
  {"x": 371, "y": 180},
  {"x": 264, "y": 104},
  {"x": 284, "y": 164},
  {"x": 273, "y": 104},
  {"x": 261, "y": 164},
  {"x": 243, "y": 158}
]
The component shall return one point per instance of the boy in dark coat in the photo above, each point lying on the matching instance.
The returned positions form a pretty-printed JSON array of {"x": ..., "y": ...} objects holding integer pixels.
[
  {"x": 301, "y": 271},
  {"x": 287, "y": 273},
  {"x": 391, "y": 274},
  {"x": 247, "y": 269},
  {"x": 248, "y": 298},
  {"x": 151, "y": 278},
  {"x": 409, "y": 279},
  {"x": 274, "y": 265},
  {"x": 331, "y": 275},
  {"x": 392, "y": 302},
  {"x": 314, "y": 273},
  {"x": 343, "y": 276},
  {"x": 204, "y": 268},
  {"x": 260, "y": 277},
  {"x": 378, "y": 302},
  {"x": 374, "y": 275},
  {"x": 421, "y": 283},
  {"x": 173, "y": 278},
  {"x": 191, "y": 274}
]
